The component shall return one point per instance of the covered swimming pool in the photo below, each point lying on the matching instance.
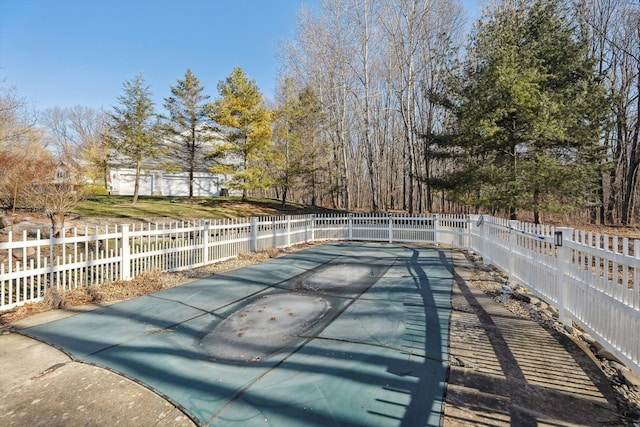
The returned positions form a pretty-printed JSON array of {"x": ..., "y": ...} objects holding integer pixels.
[{"x": 349, "y": 334}]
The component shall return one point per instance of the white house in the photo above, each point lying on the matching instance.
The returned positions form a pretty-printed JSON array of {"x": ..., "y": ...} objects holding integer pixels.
[{"x": 158, "y": 180}]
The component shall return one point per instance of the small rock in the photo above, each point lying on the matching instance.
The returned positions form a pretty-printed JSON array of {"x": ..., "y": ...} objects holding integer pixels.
[
  {"x": 619, "y": 367},
  {"x": 603, "y": 353},
  {"x": 570, "y": 329},
  {"x": 31, "y": 228},
  {"x": 5, "y": 221},
  {"x": 588, "y": 338},
  {"x": 18, "y": 254},
  {"x": 597, "y": 346},
  {"x": 522, "y": 296},
  {"x": 534, "y": 301},
  {"x": 505, "y": 290},
  {"x": 631, "y": 379},
  {"x": 542, "y": 305}
]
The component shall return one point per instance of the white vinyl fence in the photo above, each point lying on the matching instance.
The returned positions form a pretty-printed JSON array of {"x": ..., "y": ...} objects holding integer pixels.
[{"x": 591, "y": 279}]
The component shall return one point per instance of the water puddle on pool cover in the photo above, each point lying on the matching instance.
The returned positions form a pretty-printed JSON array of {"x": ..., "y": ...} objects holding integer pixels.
[
  {"x": 273, "y": 322},
  {"x": 340, "y": 278},
  {"x": 264, "y": 326}
]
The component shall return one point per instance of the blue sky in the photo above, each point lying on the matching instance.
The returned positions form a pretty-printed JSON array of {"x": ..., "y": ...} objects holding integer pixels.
[{"x": 79, "y": 52}]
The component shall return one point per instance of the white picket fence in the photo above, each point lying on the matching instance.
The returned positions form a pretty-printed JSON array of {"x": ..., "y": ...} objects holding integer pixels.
[{"x": 591, "y": 279}]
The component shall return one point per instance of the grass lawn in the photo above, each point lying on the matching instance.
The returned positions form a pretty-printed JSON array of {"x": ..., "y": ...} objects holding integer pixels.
[{"x": 182, "y": 208}]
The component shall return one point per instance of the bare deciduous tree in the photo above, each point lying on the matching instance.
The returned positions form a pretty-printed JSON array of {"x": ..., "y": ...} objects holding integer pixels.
[
  {"x": 22, "y": 155},
  {"x": 613, "y": 27},
  {"x": 78, "y": 135},
  {"x": 58, "y": 192},
  {"x": 320, "y": 58},
  {"x": 373, "y": 65}
]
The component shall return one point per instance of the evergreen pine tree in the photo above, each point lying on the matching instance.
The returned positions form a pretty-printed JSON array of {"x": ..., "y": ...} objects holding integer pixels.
[
  {"x": 133, "y": 129},
  {"x": 186, "y": 126},
  {"x": 529, "y": 112},
  {"x": 297, "y": 121},
  {"x": 246, "y": 122}
]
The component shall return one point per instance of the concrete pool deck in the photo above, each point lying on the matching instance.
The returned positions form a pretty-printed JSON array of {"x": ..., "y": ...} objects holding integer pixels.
[{"x": 379, "y": 358}]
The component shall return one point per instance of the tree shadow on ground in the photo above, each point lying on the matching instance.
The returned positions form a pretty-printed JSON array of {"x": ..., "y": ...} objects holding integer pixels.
[{"x": 512, "y": 371}]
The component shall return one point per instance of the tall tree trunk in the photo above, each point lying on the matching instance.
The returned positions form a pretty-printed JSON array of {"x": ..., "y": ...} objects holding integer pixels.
[
  {"x": 536, "y": 210},
  {"x": 346, "y": 195},
  {"x": 613, "y": 197},
  {"x": 192, "y": 159},
  {"x": 314, "y": 197},
  {"x": 614, "y": 185},
  {"x": 427, "y": 178},
  {"x": 407, "y": 112},
  {"x": 404, "y": 187},
  {"x": 412, "y": 174},
  {"x": 513, "y": 212},
  {"x": 136, "y": 185},
  {"x": 601, "y": 201},
  {"x": 105, "y": 177},
  {"x": 191, "y": 184},
  {"x": 364, "y": 23},
  {"x": 628, "y": 199}
]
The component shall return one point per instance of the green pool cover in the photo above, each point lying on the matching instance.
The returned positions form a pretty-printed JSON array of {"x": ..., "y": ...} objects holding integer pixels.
[{"x": 346, "y": 334}]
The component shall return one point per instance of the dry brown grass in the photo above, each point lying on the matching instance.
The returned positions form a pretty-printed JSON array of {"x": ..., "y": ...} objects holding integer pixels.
[{"x": 143, "y": 284}]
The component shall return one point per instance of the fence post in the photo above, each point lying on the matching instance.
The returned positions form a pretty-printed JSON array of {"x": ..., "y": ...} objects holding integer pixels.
[
  {"x": 288, "y": 242},
  {"x": 436, "y": 219},
  {"x": 482, "y": 234},
  {"x": 274, "y": 231},
  {"x": 205, "y": 242},
  {"x": 564, "y": 253},
  {"x": 51, "y": 257},
  {"x": 472, "y": 221},
  {"x": 125, "y": 253},
  {"x": 254, "y": 234},
  {"x": 514, "y": 227},
  {"x": 313, "y": 228},
  {"x": 390, "y": 228},
  {"x": 350, "y": 226}
]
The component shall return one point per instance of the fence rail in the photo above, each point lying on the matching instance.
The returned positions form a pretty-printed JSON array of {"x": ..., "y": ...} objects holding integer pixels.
[{"x": 592, "y": 279}]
